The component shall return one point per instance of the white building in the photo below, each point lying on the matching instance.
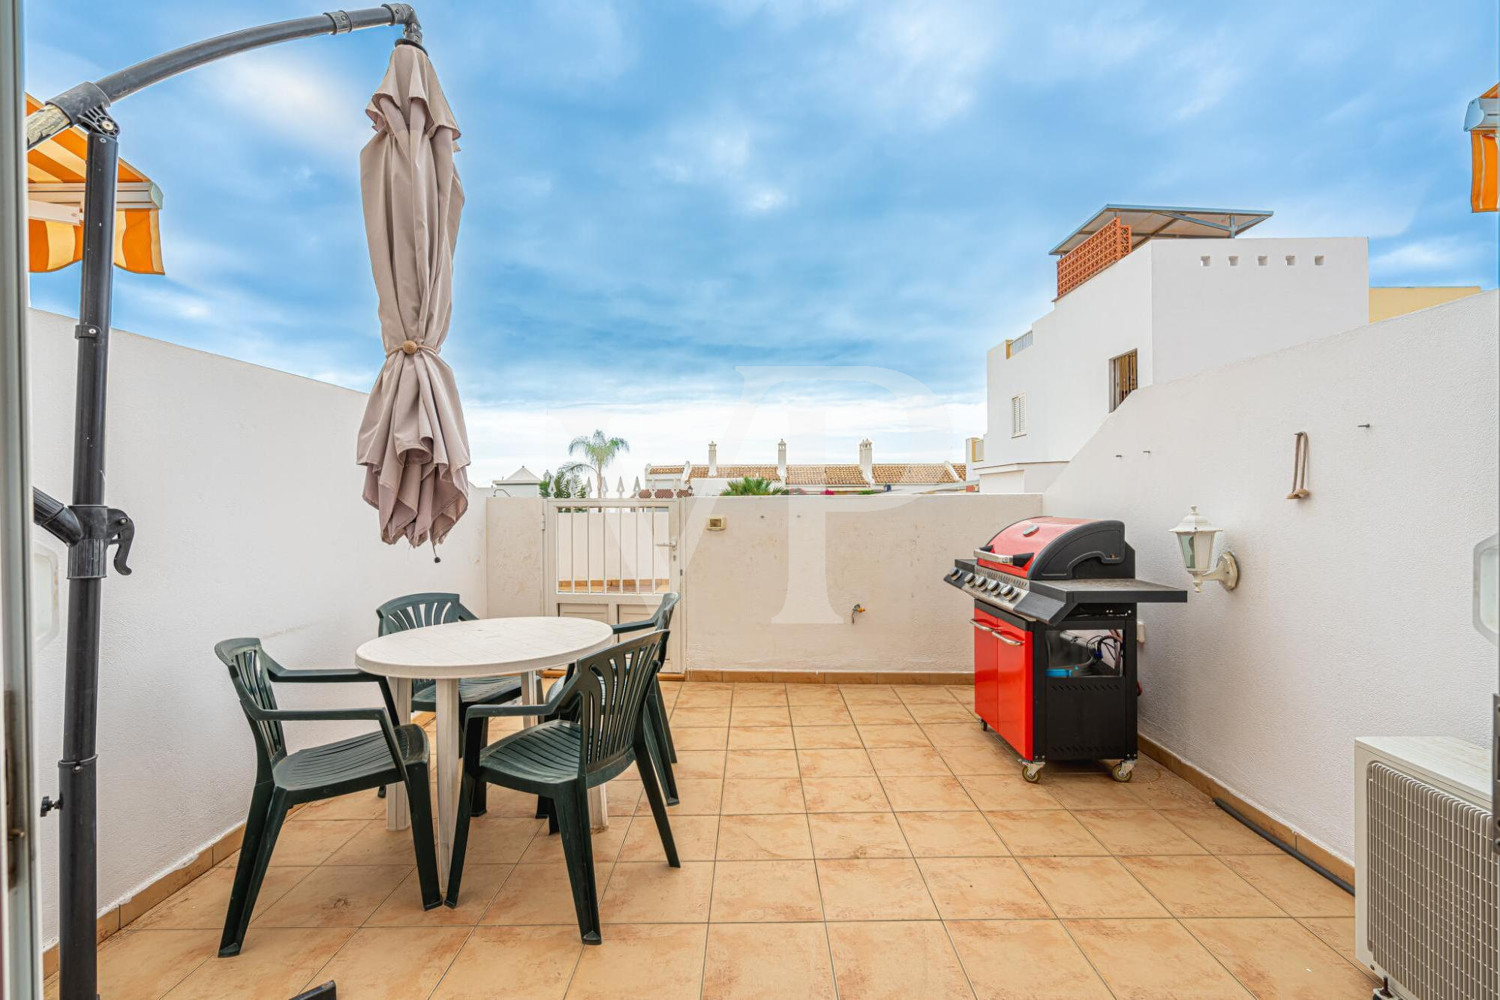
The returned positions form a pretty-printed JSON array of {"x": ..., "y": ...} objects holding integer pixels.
[
  {"x": 1153, "y": 294},
  {"x": 711, "y": 478},
  {"x": 521, "y": 483}
]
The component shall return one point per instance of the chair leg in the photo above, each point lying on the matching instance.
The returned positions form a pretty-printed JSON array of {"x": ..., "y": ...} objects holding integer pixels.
[
  {"x": 461, "y": 835},
  {"x": 659, "y": 761},
  {"x": 268, "y": 807},
  {"x": 474, "y": 740},
  {"x": 653, "y": 795},
  {"x": 420, "y": 798},
  {"x": 659, "y": 705},
  {"x": 572, "y": 808}
]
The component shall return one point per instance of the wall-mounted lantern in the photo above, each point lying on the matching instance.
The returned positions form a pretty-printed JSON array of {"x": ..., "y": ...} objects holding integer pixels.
[{"x": 1195, "y": 535}]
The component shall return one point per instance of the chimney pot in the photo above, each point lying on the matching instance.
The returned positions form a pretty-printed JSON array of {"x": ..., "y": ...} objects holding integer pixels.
[{"x": 713, "y": 458}]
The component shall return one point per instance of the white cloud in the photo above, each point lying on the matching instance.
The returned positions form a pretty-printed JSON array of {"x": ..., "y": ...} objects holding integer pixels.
[
  {"x": 293, "y": 99},
  {"x": 1423, "y": 256},
  {"x": 721, "y": 152},
  {"x": 764, "y": 199}
]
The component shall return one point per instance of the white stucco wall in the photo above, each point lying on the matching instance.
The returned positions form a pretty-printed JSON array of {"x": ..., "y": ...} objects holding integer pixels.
[
  {"x": 1352, "y": 616},
  {"x": 774, "y": 590},
  {"x": 243, "y": 487},
  {"x": 1204, "y": 317},
  {"x": 1180, "y": 317}
]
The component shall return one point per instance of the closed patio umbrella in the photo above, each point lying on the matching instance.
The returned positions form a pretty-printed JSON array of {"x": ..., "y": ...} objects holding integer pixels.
[{"x": 412, "y": 441}]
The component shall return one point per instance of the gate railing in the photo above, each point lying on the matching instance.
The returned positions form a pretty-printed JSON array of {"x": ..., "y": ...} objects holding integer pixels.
[{"x": 611, "y": 546}]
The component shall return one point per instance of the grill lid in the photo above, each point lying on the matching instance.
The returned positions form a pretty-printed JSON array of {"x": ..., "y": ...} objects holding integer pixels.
[{"x": 1060, "y": 548}]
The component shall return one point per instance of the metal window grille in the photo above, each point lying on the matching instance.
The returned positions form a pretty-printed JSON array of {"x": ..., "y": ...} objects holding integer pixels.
[
  {"x": 1123, "y": 378},
  {"x": 1014, "y": 347}
]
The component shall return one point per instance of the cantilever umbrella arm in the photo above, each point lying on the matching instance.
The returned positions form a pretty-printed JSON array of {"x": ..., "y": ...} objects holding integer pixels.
[{"x": 88, "y": 526}]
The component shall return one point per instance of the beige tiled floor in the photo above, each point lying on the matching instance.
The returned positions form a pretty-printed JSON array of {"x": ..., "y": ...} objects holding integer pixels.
[{"x": 857, "y": 843}]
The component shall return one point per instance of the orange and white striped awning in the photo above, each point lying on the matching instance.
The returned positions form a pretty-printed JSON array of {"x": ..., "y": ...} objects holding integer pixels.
[
  {"x": 54, "y": 207},
  {"x": 1482, "y": 120}
]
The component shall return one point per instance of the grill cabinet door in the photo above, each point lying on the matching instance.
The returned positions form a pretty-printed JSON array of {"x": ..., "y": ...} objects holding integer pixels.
[
  {"x": 986, "y": 669},
  {"x": 1014, "y": 687}
]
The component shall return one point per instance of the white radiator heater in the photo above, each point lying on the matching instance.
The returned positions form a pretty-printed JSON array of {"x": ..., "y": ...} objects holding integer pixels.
[{"x": 1425, "y": 868}]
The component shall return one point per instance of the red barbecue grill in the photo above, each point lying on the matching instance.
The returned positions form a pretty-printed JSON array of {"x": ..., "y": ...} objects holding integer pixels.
[{"x": 1054, "y": 639}]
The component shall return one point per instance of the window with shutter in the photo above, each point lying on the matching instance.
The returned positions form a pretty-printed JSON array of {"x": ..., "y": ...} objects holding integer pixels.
[
  {"x": 1018, "y": 415},
  {"x": 1122, "y": 378}
]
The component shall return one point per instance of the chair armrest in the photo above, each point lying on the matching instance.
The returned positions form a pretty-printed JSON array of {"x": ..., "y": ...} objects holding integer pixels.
[
  {"x": 624, "y": 627},
  {"x": 282, "y": 675},
  {"x": 515, "y": 708},
  {"x": 336, "y": 715},
  {"x": 335, "y": 675},
  {"x": 474, "y": 713}
]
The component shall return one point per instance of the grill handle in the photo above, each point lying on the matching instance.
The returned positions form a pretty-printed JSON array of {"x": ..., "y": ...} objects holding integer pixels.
[
  {"x": 994, "y": 632},
  {"x": 1018, "y": 559}
]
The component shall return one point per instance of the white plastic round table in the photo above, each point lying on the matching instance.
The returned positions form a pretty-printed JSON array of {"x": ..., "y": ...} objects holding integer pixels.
[{"x": 488, "y": 647}]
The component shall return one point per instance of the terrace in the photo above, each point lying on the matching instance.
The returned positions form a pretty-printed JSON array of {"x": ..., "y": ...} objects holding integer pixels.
[
  {"x": 851, "y": 841},
  {"x": 847, "y": 827},
  {"x": 840, "y": 804}
]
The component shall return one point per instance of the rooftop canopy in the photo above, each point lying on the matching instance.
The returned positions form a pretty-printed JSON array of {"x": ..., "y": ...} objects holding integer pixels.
[
  {"x": 54, "y": 207},
  {"x": 1156, "y": 222}
]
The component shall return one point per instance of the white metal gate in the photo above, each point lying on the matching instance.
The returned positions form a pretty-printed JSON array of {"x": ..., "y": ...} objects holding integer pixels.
[{"x": 611, "y": 560}]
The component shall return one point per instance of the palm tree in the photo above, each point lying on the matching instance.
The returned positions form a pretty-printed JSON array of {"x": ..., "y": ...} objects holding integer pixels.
[
  {"x": 752, "y": 486},
  {"x": 599, "y": 451}
]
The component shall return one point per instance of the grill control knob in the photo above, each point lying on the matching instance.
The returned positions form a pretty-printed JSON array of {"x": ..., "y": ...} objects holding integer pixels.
[
  {"x": 970, "y": 579},
  {"x": 993, "y": 586}
]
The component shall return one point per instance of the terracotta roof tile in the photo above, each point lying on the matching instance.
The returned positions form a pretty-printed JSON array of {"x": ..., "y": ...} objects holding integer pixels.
[
  {"x": 735, "y": 472},
  {"x": 911, "y": 472},
  {"x": 895, "y": 473},
  {"x": 824, "y": 475}
]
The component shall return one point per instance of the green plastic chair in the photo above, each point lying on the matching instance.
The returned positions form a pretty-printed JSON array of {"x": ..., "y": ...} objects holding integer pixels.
[
  {"x": 659, "y": 733},
  {"x": 421, "y": 610},
  {"x": 394, "y": 754},
  {"x": 560, "y": 760}
]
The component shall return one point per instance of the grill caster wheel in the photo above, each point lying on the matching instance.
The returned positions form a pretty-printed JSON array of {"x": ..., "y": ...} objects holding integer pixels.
[
  {"x": 1032, "y": 772},
  {"x": 1123, "y": 770}
]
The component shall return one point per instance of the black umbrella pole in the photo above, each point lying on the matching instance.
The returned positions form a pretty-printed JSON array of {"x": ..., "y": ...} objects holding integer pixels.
[{"x": 78, "y": 789}]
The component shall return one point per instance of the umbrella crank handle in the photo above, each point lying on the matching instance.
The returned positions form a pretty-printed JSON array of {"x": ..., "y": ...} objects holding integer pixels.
[
  {"x": 100, "y": 527},
  {"x": 122, "y": 536}
]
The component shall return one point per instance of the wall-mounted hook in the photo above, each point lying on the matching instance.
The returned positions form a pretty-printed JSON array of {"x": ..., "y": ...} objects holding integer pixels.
[{"x": 1299, "y": 468}]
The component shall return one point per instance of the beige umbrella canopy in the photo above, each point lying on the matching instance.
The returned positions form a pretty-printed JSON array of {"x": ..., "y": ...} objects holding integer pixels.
[{"x": 412, "y": 442}]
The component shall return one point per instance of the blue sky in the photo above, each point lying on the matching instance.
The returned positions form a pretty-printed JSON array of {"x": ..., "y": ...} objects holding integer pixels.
[{"x": 749, "y": 219}]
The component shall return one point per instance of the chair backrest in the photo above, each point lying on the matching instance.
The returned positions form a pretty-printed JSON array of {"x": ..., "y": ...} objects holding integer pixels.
[
  {"x": 248, "y": 667},
  {"x": 421, "y": 610},
  {"x": 610, "y": 687},
  {"x": 662, "y": 619}
]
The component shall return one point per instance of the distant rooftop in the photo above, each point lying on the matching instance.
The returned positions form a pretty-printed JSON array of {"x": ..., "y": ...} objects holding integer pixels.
[{"x": 1157, "y": 222}]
